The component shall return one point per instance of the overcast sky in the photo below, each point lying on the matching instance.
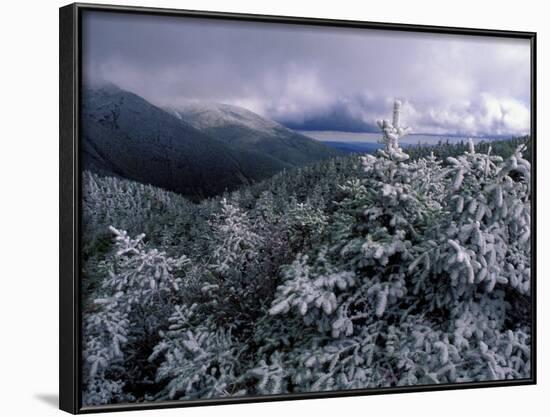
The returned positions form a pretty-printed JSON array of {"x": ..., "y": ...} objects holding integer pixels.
[{"x": 316, "y": 78}]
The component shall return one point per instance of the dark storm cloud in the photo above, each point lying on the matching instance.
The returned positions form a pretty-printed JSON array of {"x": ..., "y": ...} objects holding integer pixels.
[{"x": 309, "y": 77}]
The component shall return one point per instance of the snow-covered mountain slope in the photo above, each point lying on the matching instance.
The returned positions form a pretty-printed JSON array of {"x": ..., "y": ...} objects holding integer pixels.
[
  {"x": 247, "y": 130},
  {"x": 208, "y": 115},
  {"x": 126, "y": 136}
]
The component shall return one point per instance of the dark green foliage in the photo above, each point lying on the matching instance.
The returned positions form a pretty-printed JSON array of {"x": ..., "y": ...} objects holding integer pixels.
[{"x": 348, "y": 273}]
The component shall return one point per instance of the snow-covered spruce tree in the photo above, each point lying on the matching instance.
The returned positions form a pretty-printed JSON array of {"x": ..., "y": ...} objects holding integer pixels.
[
  {"x": 482, "y": 249},
  {"x": 344, "y": 289},
  {"x": 271, "y": 221},
  {"x": 349, "y": 273},
  {"x": 137, "y": 298},
  {"x": 235, "y": 244},
  {"x": 204, "y": 353},
  {"x": 132, "y": 206},
  {"x": 265, "y": 208},
  {"x": 236, "y": 269},
  {"x": 491, "y": 218},
  {"x": 418, "y": 280},
  {"x": 304, "y": 224},
  {"x": 392, "y": 132},
  {"x": 199, "y": 358},
  {"x": 136, "y": 208}
]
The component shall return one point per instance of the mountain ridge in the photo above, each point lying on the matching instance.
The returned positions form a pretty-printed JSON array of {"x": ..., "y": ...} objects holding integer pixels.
[
  {"x": 243, "y": 128},
  {"x": 126, "y": 136}
]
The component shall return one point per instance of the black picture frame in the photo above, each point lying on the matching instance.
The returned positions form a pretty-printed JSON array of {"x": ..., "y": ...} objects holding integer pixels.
[{"x": 70, "y": 202}]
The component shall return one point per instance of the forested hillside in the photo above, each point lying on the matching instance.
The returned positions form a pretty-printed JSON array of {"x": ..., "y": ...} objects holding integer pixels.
[
  {"x": 126, "y": 136},
  {"x": 353, "y": 272},
  {"x": 443, "y": 149}
]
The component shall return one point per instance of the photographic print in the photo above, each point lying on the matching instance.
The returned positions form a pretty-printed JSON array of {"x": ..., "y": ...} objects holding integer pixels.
[{"x": 281, "y": 208}]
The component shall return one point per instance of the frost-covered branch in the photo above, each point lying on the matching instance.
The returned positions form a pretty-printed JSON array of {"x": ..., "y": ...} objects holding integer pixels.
[{"x": 392, "y": 132}]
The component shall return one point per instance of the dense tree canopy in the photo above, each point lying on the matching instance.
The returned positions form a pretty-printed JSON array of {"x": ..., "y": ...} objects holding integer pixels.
[{"x": 354, "y": 272}]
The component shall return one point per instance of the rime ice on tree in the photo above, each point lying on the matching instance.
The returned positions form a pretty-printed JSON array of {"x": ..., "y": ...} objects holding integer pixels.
[
  {"x": 415, "y": 273},
  {"x": 392, "y": 132}
]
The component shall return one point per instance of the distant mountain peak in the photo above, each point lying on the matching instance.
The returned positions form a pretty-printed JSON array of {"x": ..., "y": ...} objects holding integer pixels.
[
  {"x": 212, "y": 114},
  {"x": 247, "y": 130}
]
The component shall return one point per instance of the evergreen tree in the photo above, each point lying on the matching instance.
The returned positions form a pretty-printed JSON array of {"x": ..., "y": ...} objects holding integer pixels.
[
  {"x": 141, "y": 286},
  {"x": 355, "y": 272}
]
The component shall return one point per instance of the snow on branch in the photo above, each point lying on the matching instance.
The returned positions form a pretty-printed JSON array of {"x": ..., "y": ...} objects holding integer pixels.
[{"x": 392, "y": 132}]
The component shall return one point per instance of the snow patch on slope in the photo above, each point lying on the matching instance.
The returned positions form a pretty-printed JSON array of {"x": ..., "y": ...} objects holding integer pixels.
[{"x": 206, "y": 115}]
